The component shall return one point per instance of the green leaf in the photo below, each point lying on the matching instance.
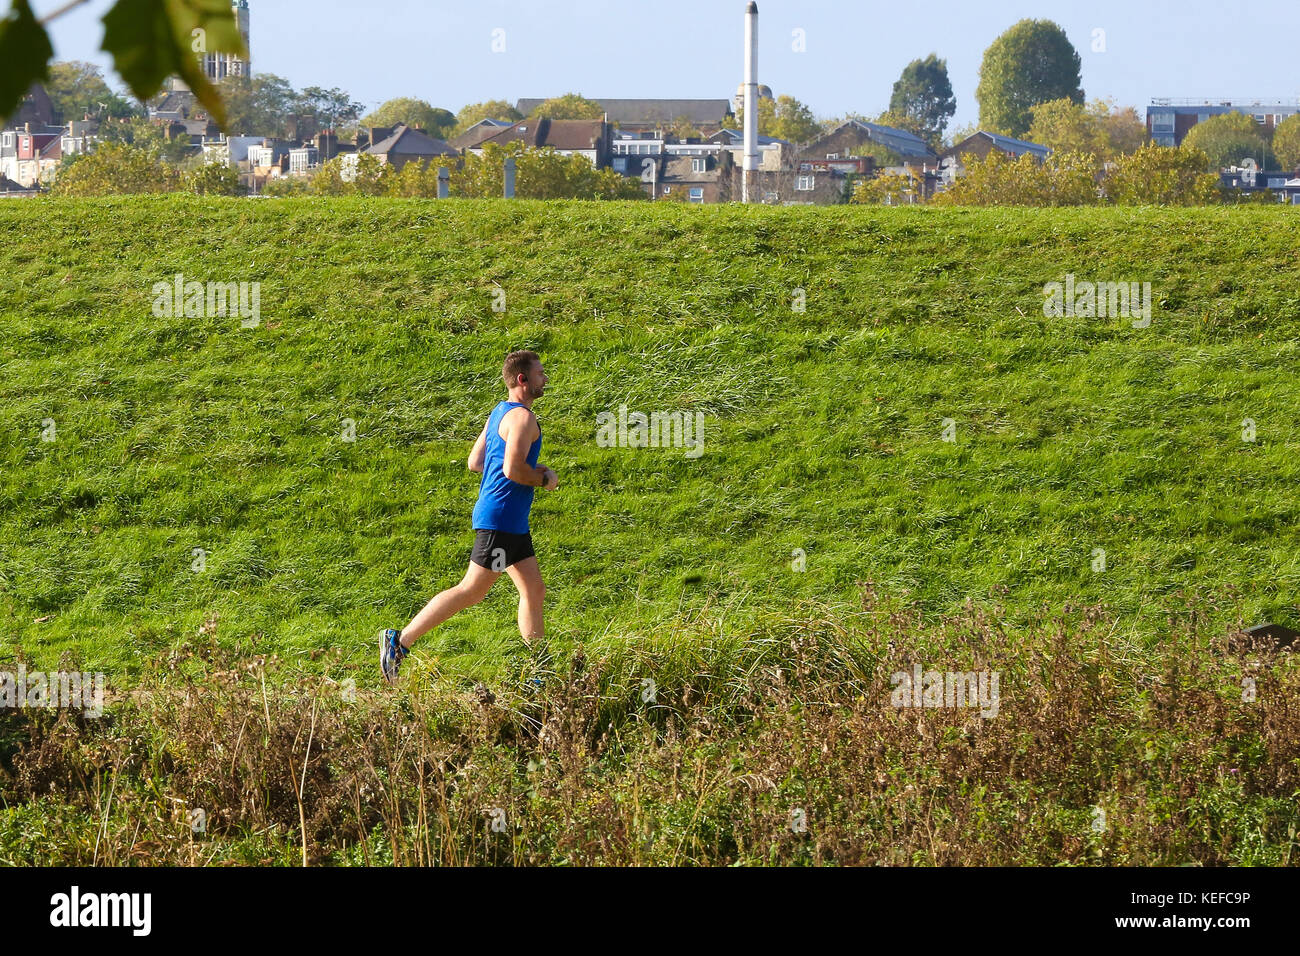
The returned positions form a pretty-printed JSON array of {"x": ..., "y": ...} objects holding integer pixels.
[
  {"x": 151, "y": 40},
  {"x": 25, "y": 52}
]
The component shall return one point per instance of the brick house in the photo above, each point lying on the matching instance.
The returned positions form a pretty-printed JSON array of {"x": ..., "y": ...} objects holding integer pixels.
[
  {"x": 694, "y": 179},
  {"x": 858, "y": 138},
  {"x": 952, "y": 161},
  {"x": 36, "y": 156}
]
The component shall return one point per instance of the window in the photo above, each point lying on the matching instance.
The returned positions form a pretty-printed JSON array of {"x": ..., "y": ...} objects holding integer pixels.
[
  {"x": 1259, "y": 118},
  {"x": 1277, "y": 183},
  {"x": 620, "y": 164},
  {"x": 805, "y": 183},
  {"x": 697, "y": 194},
  {"x": 1202, "y": 117},
  {"x": 8, "y": 139},
  {"x": 832, "y": 155},
  {"x": 697, "y": 165},
  {"x": 1162, "y": 121}
]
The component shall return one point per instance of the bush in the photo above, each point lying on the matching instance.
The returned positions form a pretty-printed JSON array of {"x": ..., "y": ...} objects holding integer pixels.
[
  {"x": 1162, "y": 176},
  {"x": 1063, "y": 179},
  {"x": 214, "y": 179},
  {"x": 116, "y": 169}
]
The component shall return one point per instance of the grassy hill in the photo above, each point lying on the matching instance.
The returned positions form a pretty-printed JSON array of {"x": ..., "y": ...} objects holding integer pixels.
[
  {"x": 823, "y": 428},
  {"x": 823, "y": 448}
]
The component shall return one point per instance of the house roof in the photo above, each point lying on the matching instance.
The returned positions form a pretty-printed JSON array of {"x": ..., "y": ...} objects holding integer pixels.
[
  {"x": 480, "y": 131},
  {"x": 179, "y": 102},
  {"x": 642, "y": 111},
  {"x": 738, "y": 136},
  {"x": 1008, "y": 144},
  {"x": 558, "y": 134},
  {"x": 405, "y": 141},
  {"x": 35, "y": 107},
  {"x": 905, "y": 143}
]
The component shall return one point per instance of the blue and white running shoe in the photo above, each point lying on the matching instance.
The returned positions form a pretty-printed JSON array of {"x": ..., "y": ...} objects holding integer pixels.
[{"x": 391, "y": 653}]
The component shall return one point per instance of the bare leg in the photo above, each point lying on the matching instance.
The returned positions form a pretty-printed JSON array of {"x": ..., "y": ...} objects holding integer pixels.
[
  {"x": 528, "y": 579},
  {"x": 472, "y": 589}
]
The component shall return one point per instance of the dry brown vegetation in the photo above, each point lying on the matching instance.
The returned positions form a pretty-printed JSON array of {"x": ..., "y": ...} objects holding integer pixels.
[{"x": 737, "y": 738}]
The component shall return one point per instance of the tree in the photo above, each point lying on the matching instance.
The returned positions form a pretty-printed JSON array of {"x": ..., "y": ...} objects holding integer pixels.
[
  {"x": 491, "y": 109},
  {"x": 540, "y": 174},
  {"x": 1123, "y": 127},
  {"x": 1286, "y": 142},
  {"x": 960, "y": 134},
  {"x": 1162, "y": 176},
  {"x": 77, "y": 88},
  {"x": 287, "y": 186},
  {"x": 766, "y": 117},
  {"x": 141, "y": 133},
  {"x": 213, "y": 179},
  {"x": 569, "y": 106},
  {"x": 683, "y": 128},
  {"x": 412, "y": 112},
  {"x": 1065, "y": 125},
  {"x": 149, "y": 41},
  {"x": 115, "y": 168},
  {"x": 418, "y": 179},
  {"x": 1229, "y": 138},
  {"x": 794, "y": 121},
  {"x": 784, "y": 117},
  {"x": 924, "y": 93},
  {"x": 1101, "y": 128},
  {"x": 887, "y": 189},
  {"x": 332, "y": 108},
  {"x": 1033, "y": 62},
  {"x": 259, "y": 105}
]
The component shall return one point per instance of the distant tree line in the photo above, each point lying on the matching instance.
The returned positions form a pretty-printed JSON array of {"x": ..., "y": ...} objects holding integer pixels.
[{"x": 539, "y": 174}]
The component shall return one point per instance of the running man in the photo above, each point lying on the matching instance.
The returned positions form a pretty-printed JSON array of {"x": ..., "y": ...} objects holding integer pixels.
[{"x": 506, "y": 453}]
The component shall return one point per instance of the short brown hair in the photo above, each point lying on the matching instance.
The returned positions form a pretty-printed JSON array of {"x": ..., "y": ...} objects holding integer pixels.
[{"x": 518, "y": 363}]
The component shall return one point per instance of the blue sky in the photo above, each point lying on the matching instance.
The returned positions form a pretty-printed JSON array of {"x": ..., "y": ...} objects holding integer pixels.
[{"x": 442, "y": 51}]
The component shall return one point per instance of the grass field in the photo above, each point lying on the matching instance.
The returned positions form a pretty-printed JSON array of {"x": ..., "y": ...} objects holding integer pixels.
[
  {"x": 822, "y": 428},
  {"x": 823, "y": 434}
]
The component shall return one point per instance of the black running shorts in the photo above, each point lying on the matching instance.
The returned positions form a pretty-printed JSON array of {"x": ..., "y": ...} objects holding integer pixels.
[{"x": 497, "y": 550}]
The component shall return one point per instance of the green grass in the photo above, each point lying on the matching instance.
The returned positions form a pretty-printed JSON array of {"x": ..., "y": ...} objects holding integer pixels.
[{"x": 822, "y": 428}]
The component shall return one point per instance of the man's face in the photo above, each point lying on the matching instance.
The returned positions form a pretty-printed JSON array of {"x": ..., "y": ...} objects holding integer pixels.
[{"x": 536, "y": 380}]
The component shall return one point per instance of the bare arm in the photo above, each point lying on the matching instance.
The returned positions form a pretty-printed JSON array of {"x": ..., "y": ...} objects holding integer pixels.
[
  {"x": 521, "y": 431},
  {"x": 478, "y": 452}
]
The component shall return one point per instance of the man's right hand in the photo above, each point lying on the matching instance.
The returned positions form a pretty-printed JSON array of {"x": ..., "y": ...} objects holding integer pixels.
[{"x": 552, "y": 480}]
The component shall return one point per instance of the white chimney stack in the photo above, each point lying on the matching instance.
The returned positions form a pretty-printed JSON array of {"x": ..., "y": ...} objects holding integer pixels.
[{"x": 751, "y": 97}]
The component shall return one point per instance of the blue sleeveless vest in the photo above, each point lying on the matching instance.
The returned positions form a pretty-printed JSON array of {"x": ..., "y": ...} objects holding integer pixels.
[{"x": 503, "y": 505}]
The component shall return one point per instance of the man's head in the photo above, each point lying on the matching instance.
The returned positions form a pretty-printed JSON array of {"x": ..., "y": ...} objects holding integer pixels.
[{"x": 524, "y": 376}]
